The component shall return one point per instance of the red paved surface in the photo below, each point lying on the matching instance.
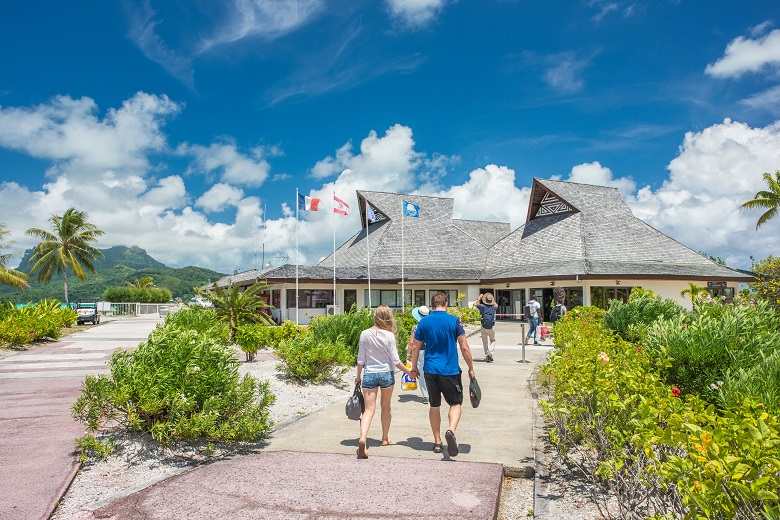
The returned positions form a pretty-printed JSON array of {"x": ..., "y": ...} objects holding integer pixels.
[{"x": 291, "y": 486}]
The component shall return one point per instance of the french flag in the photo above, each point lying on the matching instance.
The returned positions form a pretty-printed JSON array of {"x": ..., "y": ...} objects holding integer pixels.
[{"x": 308, "y": 203}]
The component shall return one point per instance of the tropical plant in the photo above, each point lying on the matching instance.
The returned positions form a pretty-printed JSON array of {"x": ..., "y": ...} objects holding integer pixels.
[
  {"x": 768, "y": 199},
  {"x": 66, "y": 249},
  {"x": 309, "y": 359},
  {"x": 236, "y": 307},
  {"x": 692, "y": 291},
  {"x": 767, "y": 281},
  {"x": 133, "y": 294},
  {"x": 9, "y": 276},
  {"x": 146, "y": 282}
]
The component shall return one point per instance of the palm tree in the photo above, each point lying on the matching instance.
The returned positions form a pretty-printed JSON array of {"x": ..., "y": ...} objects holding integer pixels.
[
  {"x": 142, "y": 283},
  {"x": 766, "y": 199},
  {"x": 693, "y": 290},
  {"x": 9, "y": 276},
  {"x": 67, "y": 248},
  {"x": 236, "y": 307}
]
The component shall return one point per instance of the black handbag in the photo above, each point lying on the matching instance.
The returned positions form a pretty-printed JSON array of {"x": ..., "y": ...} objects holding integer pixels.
[
  {"x": 475, "y": 392},
  {"x": 356, "y": 405}
]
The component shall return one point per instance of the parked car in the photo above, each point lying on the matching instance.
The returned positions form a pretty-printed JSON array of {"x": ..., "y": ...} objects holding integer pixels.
[{"x": 87, "y": 310}]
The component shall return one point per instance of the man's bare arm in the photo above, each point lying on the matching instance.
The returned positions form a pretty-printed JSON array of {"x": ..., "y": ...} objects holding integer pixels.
[{"x": 465, "y": 350}]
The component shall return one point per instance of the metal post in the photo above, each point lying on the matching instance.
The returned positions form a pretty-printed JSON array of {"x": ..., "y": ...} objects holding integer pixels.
[{"x": 522, "y": 330}]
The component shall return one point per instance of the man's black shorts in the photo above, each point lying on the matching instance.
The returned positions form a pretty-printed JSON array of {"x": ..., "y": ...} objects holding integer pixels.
[{"x": 448, "y": 386}]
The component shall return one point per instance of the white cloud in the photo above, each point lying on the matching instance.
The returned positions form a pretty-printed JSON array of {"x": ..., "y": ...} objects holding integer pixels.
[
  {"x": 716, "y": 171},
  {"x": 219, "y": 196},
  {"x": 595, "y": 173},
  {"x": 415, "y": 13},
  {"x": 768, "y": 100},
  {"x": 565, "y": 72},
  {"x": 232, "y": 165},
  {"x": 746, "y": 55}
]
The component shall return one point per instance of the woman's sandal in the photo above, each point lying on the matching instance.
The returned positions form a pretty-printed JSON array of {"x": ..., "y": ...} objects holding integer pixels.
[
  {"x": 362, "y": 453},
  {"x": 387, "y": 443},
  {"x": 437, "y": 448}
]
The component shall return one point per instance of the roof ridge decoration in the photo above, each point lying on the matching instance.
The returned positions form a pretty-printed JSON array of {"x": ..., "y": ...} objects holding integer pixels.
[{"x": 544, "y": 202}]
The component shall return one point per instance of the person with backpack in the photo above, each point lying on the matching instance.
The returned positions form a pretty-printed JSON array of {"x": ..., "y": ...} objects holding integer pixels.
[
  {"x": 487, "y": 307},
  {"x": 557, "y": 311}
]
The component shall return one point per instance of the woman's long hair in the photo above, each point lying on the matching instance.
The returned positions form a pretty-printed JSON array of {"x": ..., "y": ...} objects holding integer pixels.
[{"x": 383, "y": 318}]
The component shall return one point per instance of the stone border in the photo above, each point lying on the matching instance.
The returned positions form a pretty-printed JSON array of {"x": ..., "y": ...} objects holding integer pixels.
[{"x": 542, "y": 472}]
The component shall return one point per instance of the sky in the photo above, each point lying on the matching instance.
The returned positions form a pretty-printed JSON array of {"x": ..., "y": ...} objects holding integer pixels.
[{"x": 185, "y": 127}]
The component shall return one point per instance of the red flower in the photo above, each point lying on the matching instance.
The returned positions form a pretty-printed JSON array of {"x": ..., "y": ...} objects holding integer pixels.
[
  {"x": 676, "y": 391},
  {"x": 32, "y": 335},
  {"x": 639, "y": 349}
]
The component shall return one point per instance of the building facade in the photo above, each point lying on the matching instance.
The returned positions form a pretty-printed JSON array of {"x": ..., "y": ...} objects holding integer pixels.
[{"x": 578, "y": 237}]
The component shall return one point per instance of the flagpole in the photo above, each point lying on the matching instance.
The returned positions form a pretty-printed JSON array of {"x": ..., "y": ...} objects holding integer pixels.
[
  {"x": 334, "y": 247},
  {"x": 296, "y": 257},
  {"x": 403, "y": 293},
  {"x": 368, "y": 259}
]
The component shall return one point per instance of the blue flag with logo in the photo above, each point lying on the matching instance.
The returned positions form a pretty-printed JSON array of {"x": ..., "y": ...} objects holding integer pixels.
[
  {"x": 410, "y": 210},
  {"x": 370, "y": 215}
]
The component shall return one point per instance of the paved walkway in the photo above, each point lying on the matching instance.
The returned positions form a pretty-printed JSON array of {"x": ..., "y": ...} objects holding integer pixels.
[
  {"x": 37, "y": 388},
  {"x": 309, "y": 469}
]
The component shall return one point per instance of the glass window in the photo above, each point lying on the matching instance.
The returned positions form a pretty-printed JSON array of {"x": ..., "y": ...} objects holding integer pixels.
[
  {"x": 419, "y": 298},
  {"x": 310, "y": 298},
  {"x": 389, "y": 297},
  {"x": 350, "y": 299}
]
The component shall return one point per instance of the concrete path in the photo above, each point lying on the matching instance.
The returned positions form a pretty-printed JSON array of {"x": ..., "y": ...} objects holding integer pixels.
[
  {"x": 37, "y": 388},
  {"x": 310, "y": 469}
]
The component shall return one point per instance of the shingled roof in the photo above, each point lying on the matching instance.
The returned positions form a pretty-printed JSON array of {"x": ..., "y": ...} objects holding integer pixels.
[
  {"x": 571, "y": 230},
  {"x": 579, "y": 229}
]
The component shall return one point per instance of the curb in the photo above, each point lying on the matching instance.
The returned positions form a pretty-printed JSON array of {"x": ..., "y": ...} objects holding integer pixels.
[{"x": 541, "y": 473}]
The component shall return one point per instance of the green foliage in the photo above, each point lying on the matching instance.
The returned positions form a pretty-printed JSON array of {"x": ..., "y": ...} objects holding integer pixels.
[
  {"x": 631, "y": 320},
  {"x": 761, "y": 382},
  {"x": 348, "y": 326},
  {"x": 308, "y": 359},
  {"x": 693, "y": 291},
  {"x": 767, "y": 282},
  {"x": 768, "y": 199},
  {"x": 658, "y": 452},
  {"x": 120, "y": 266},
  {"x": 23, "y": 325},
  {"x": 9, "y": 276},
  {"x": 237, "y": 307},
  {"x": 641, "y": 292},
  {"x": 694, "y": 351},
  {"x": 134, "y": 294},
  {"x": 203, "y": 321},
  {"x": 467, "y": 315},
  {"x": 179, "y": 384},
  {"x": 252, "y": 337},
  {"x": 91, "y": 448}
]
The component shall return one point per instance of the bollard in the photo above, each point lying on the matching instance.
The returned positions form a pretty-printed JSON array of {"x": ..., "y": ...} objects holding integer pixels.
[{"x": 522, "y": 330}]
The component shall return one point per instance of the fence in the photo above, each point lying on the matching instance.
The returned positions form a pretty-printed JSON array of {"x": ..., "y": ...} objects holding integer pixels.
[{"x": 137, "y": 309}]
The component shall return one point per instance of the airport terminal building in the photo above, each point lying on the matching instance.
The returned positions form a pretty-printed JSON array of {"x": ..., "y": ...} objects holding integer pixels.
[{"x": 578, "y": 237}]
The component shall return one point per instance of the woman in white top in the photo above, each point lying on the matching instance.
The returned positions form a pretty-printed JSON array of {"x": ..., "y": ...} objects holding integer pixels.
[{"x": 377, "y": 359}]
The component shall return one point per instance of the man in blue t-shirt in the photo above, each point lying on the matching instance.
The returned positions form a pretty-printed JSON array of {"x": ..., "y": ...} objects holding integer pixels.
[{"x": 442, "y": 334}]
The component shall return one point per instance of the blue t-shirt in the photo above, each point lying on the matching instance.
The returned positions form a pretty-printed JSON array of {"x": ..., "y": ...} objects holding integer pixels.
[{"x": 440, "y": 331}]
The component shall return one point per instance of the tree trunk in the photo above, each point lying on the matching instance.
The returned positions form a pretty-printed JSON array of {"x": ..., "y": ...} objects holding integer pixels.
[{"x": 65, "y": 281}]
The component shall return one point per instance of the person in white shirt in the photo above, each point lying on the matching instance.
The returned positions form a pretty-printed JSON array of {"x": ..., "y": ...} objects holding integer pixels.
[
  {"x": 534, "y": 319},
  {"x": 376, "y": 363}
]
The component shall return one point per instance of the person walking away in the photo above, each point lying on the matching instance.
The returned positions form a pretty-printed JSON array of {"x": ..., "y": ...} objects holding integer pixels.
[
  {"x": 487, "y": 306},
  {"x": 442, "y": 333},
  {"x": 418, "y": 313},
  {"x": 558, "y": 311},
  {"x": 377, "y": 357},
  {"x": 535, "y": 314}
]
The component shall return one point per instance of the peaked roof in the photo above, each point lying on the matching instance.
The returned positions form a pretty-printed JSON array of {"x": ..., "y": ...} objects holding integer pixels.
[
  {"x": 432, "y": 241},
  {"x": 590, "y": 230}
]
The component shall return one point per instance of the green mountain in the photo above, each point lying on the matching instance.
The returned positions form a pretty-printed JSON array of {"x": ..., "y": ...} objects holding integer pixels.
[{"x": 121, "y": 265}]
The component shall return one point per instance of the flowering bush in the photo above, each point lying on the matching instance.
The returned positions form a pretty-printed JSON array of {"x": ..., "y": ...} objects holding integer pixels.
[
  {"x": 659, "y": 452},
  {"x": 45, "y": 319}
]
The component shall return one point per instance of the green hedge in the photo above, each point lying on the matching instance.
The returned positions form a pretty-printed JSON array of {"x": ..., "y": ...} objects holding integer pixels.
[{"x": 134, "y": 294}]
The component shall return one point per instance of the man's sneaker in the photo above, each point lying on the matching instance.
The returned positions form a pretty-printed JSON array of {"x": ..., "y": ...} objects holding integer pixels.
[
  {"x": 425, "y": 400},
  {"x": 488, "y": 358},
  {"x": 537, "y": 343}
]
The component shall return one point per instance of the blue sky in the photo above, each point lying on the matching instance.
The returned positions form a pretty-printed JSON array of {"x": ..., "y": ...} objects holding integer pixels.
[{"x": 178, "y": 126}]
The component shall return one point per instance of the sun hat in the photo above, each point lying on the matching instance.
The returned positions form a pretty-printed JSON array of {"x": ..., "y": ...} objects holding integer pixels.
[
  {"x": 420, "y": 312},
  {"x": 487, "y": 298}
]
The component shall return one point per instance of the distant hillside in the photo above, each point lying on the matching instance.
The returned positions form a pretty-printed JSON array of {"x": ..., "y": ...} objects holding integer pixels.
[{"x": 121, "y": 265}]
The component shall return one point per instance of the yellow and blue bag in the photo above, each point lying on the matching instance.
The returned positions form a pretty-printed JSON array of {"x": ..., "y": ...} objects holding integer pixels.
[{"x": 407, "y": 383}]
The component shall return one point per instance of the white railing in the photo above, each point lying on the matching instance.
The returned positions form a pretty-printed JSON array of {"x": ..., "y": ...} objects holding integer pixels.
[{"x": 138, "y": 309}]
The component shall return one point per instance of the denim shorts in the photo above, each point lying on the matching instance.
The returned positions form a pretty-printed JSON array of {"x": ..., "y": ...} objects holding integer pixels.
[{"x": 378, "y": 379}]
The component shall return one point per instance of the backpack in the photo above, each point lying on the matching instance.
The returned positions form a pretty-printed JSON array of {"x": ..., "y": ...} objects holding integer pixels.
[
  {"x": 555, "y": 313},
  {"x": 489, "y": 317}
]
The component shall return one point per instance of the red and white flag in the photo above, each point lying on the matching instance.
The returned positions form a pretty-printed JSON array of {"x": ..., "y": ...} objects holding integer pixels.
[{"x": 339, "y": 206}]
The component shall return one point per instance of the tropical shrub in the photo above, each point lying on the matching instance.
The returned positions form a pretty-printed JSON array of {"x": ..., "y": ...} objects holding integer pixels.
[
  {"x": 23, "y": 325},
  {"x": 346, "y": 326},
  {"x": 252, "y": 337},
  {"x": 760, "y": 382},
  {"x": 467, "y": 315},
  {"x": 654, "y": 450},
  {"x": 204, "y": 321},
  {"x": 306, "y": 358},
  {"x": 631, "y": 320},
  {"x": 137, "y": 294},
  {"x": 767, "y": 282},
  {"x": 179, "y": 384},
  {"x": 237, "y": 307},
  {"x": 694, "y": 351}
]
